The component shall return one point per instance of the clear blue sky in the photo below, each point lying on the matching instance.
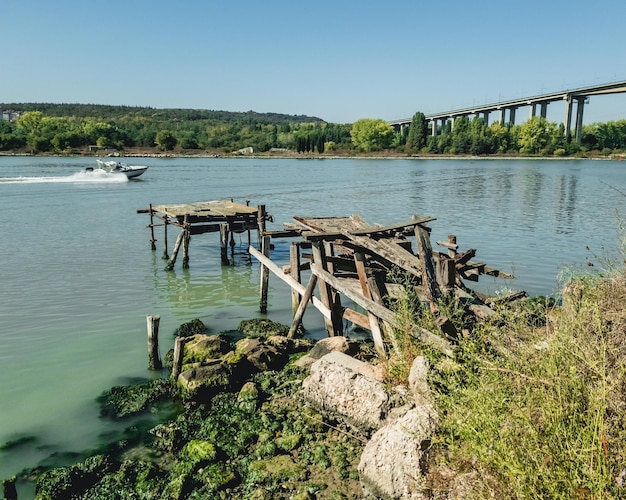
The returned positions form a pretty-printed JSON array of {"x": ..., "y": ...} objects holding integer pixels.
[{"x": 339, "y": 60}]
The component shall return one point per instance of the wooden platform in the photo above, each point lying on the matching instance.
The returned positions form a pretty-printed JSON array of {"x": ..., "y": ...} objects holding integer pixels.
[
  {"x": 224, "y": 216},
  {"x": 363, "y": 262}
]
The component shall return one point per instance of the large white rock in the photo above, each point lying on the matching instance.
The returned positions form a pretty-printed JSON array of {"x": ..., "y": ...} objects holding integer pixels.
[
  {"x": 392, "y": 462},
  {"x": 338, "y": 386}
]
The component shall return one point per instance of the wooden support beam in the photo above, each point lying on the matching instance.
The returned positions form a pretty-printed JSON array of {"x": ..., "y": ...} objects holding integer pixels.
[
  {"x": 288, "y": 279},
  {"x": 165, "y": 254},
  {"x": 179, "y": 241},
  {"x": 177, "y": 363},
  {"x": 326, "y": 293},
  {"x": 152, "y": 240},
  {"x": 429, "y": 279},
  {"x": 367, "y": 304},
  {"x": 294, "y": 264},
  {"x": 377, "y": 336},
  {"x": 306, "y": 297},
  {"x": 265, "y": 274}
]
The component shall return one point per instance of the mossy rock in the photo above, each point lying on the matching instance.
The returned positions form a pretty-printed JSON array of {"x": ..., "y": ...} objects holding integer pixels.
[
  {"x": 275, "y": 469},
  {"x": 193, "y": 327},
  {"x": 74, "y": 481},
  {"x": 200, "y": 348},
  {"x": 123, "y": 401},
  {"x": 255, "y": 328}
]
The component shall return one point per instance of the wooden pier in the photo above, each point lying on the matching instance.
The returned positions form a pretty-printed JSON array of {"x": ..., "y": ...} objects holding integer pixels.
[
  {"x": 223, "y": 216},
  {"x": 343, "y": 256},
  {"x": 358, "y": 260}
]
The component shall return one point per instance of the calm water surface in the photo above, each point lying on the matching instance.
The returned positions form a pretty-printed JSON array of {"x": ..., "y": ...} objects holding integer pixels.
[{"x": 79, "y": 279}]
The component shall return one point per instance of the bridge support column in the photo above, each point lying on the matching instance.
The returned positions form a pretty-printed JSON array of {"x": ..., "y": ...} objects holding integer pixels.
[
  {"x": 580, "y": 106},
  {"x": 533, "y": 110},
  {"x": 512, "y": 116},
  {"x": 486, "y": 118},
  {"x": 502, "y": 116},
  {"x": 544, "y": 109},
  {"x": 568, "y": 115}
]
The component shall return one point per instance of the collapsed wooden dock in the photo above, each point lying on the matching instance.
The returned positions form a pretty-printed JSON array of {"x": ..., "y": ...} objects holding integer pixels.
[
  {"x": 362, "y": 262},
  {"x": 223, "y": 216},
  {"x": 344, "y": 256}
]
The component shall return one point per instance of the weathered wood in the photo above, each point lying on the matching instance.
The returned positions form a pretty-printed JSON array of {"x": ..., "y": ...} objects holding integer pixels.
[
  {"x": 165, "y": 254},
  {"x": 265, "y": 274},
  {"x": 152, "y": 239},
  {"x": 289, "y": 280},
  {"x": 326, "y": 294},
  {"x": 377, "y": 335},
  {"x": 336, "y": 309},
  {"x": 378, "y": 292},
  {"x": 387, "y": 252},
  {"x": 367, "y": 304},
  {"x": 306, "y": 297},
  {"x": 154, "y": 360},
  {"x": 464, "y": 257},
  {"x": 186, "y": 240},
  {"x": 224, "y": 244},
  {"x": 429, "y": 278},
  {"x": 179, "y": 241},
  {"x": 446, "y": 271},
  {"x": 177, "y": 363},
  {"x": 357, "y": 318},
  {"x": 294, "y": 261}
]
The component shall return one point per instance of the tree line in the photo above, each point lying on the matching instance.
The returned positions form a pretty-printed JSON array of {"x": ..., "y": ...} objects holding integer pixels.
[
  {"x": 472, "y": 136},
  {"x": 70, "y": 128}
]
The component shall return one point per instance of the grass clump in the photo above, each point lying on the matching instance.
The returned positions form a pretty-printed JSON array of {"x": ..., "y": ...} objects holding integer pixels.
[{"x": 533, "y": 401}]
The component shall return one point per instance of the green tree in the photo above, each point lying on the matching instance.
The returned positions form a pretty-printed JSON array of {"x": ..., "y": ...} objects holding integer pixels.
[
  {"x": 537, "y": 135},
  {"x": 371, "y": 134},
  {"x": 418, "y": 132},
  {"x": 166, "y": 140}
]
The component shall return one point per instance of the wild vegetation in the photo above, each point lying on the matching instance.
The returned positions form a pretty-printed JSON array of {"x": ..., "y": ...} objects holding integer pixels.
[
  {"x": 73, "y": 128},
  {"x": 533, "y": 402}
]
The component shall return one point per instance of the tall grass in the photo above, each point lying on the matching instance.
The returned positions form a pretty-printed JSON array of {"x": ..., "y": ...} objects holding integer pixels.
[{"x": 534, "y": 403}]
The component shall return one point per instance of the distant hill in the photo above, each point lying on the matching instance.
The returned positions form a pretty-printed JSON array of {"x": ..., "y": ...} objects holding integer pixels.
[{"x": 166, "y": 114}]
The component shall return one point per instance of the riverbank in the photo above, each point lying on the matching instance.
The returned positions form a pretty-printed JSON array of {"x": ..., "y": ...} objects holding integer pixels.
[{"x": 153, "y": 153}]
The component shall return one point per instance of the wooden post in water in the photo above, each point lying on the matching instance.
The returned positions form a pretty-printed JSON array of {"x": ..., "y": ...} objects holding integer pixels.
[
  {"x": 306, "y": 297},
  {"x": 165, "y": 254},
  {"x": 260, "y": 221},
  {"x": 179, "y": 240},
  {"x": 224, "y": 244},
  {"x": 186, "y": 238},
  {"x": 294, "y": 262},
  {"x": 179, "y": 347},
  {"x": 265, "y": 273},
  {"x": 154, "y": 361},
  {"x": 152, "y": 240}
]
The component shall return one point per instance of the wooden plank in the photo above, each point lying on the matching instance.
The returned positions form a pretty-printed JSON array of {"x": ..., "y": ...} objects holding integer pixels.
[
  {"x": 388, "y": 252},
  {"x": 357, "y": 318},
  {"x": 367, "y": 304},
  {"x": 377, "y": 335},
  {"x": 306, "y": 297},
  {"x": 429, "y": 278},
  {"x": 288, "y": 279}
]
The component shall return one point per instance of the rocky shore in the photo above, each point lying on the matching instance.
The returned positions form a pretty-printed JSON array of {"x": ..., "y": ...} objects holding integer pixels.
[{"x": 263, "y": 416}]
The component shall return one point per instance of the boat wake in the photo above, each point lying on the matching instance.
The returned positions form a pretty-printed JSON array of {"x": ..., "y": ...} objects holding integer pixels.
[{"x": 93, "y": 176}]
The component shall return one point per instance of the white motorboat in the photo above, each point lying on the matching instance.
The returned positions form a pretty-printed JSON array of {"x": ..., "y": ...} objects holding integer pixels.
[{"x": 113, "y": 166}]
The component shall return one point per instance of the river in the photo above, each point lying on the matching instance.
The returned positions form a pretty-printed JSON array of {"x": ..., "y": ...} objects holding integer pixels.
[{"x": 78, "y": 277}]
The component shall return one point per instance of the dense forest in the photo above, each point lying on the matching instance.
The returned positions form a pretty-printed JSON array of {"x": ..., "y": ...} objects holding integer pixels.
[{"x": 76, "y": 128}]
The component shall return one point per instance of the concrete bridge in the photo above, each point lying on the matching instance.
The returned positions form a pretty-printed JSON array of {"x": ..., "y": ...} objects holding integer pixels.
[{"x": 538, "y": 103}]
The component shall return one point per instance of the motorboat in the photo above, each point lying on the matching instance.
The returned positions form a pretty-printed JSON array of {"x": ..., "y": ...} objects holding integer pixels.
[{"x": 113, "y": 166}]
